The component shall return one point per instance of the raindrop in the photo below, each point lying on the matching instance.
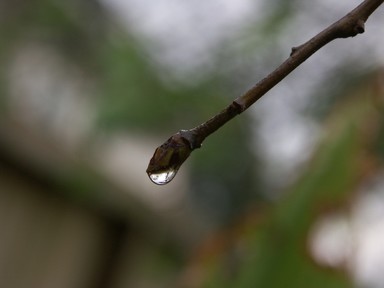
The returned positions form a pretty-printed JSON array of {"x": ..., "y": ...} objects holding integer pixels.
[
  {"x": 162, "y": 178},
  {"x": 168, "y": 157}
]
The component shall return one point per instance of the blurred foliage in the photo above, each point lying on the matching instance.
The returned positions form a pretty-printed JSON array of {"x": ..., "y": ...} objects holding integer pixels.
[
  {"x": 134, "y": 95},
  {"x": 269, "y": 248},
  {"x": 332, "y": 89},
  {"x": 131, "y": 82}
]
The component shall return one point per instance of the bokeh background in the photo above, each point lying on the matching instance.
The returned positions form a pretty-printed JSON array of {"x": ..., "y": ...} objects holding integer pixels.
[{"x": 288, "y": 194}]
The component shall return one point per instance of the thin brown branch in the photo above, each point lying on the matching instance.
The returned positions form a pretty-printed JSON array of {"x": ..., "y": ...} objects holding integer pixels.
[{"x": 167, "y": 159}]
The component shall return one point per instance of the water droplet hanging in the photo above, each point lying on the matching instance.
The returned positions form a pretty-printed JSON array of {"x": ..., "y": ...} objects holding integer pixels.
[
  {"x": 168, "y": 158},
  {"x": 162, "y": 178}
]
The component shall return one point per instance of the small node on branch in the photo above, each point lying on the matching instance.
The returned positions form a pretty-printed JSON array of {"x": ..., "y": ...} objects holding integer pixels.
[
  {"x": 294, "y": 50},
  {"x": 359, "y": 27}
]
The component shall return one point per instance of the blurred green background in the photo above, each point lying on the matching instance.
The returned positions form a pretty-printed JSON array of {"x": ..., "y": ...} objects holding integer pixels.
[{"x": 288, "y": 194}]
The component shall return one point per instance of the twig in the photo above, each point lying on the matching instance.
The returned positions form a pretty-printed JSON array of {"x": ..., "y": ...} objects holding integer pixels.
[{"x": 168, "y": 158}]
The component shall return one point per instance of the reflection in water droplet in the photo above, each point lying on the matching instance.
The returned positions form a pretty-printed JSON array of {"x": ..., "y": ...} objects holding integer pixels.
[{"x": 162, "y": 178}]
